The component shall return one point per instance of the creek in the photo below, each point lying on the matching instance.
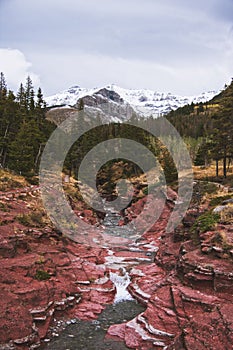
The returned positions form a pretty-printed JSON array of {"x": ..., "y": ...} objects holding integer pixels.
[{"x": 90, "y": 335}]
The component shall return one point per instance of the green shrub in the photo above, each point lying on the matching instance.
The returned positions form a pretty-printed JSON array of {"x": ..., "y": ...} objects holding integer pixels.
[
  {"x": 8, "y": 182},
  {"x": 42, "y": 275},
  {"x": 34, "y": 218},
  {"x": 205, "y": 222}
]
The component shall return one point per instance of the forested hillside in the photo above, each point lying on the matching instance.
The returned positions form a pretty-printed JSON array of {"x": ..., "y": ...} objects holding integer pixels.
[
  {"x": 23, "y": 127},
  {"x": 208, "y": 129}
]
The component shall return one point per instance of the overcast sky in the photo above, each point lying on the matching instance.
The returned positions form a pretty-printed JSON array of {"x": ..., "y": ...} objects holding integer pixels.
[{"x": 179, "y": 46}]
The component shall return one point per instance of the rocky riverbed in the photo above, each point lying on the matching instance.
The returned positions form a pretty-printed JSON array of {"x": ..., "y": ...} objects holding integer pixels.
[
  {"x": 91, "y": 335},
  {"x": 46, "y": 278}
]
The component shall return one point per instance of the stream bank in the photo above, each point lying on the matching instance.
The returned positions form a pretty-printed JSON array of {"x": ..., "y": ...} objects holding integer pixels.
[
  {"x": 186, "y": 285},
  {"x": 78, "y": 334}
]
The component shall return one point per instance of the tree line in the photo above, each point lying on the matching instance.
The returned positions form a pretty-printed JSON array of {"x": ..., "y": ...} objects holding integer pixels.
[
  {"x": 23, "y": 128},
  {"x": 208, "y": 130},
  {"x": 24, "y": 131}
]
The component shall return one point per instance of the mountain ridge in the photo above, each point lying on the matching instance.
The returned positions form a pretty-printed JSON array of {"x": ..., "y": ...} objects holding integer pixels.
[{"x": 149, "y": 101}]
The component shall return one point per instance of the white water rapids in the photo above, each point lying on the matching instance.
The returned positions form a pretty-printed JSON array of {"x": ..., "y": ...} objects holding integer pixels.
[{"x": 121, "y": 281}]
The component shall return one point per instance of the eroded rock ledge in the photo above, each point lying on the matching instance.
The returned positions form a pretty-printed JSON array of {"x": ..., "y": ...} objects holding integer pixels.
[{"x": 187, "y": 290}]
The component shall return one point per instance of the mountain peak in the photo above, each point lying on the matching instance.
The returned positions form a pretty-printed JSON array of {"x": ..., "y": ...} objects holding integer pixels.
[{"x": 153, "y": 102}]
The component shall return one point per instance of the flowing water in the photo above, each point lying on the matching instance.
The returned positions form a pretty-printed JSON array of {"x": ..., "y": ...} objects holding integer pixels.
[
  {"x": 121, "y": 282},
  {"x": 90, "y": 335},
  {"x": 112, "y": 228}
]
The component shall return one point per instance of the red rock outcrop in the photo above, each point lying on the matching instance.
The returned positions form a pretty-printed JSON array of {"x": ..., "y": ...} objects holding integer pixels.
[
  {"x": 186, "y": 286},
  {"x": 188, "y": 292},
  {"x": 43, "y": 274}
]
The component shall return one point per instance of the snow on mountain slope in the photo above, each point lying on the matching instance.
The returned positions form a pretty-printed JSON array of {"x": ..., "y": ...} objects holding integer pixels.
[{"x": 146, "y": 101}]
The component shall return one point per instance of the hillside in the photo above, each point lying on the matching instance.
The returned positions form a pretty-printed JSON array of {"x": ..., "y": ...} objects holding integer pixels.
[
  {"x": 208, "y": 130},
  {"x": 201, "y": 113}
]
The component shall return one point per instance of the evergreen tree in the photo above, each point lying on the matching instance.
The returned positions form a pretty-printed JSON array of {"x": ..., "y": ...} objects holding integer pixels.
[
  {"x": 40, "y": 101},
  {"x": 21, "y": 99},
  {"x": 203, "y": 156},
  {"x": 9, "y": 125},
  {"x": 3, "y": 86},
  {"x": 29, "y": 95},
  {"x": 40, "y": 108},
  {"x": 222, "y": 130},
  {"x": 23, "y": 127},
  {"x": 31, "y": 101},
  {"x": 168, "y": 166},
  {"x": 222, "y": 137},
  {"x": 24, "y": 149}
]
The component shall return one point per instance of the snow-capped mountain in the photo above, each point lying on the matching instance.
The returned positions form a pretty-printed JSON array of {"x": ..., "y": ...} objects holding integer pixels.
[{"x": 147, "y": 102}]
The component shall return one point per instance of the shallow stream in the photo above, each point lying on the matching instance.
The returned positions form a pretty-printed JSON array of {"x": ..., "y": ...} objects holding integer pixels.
[{"x": 90, "y": 335}]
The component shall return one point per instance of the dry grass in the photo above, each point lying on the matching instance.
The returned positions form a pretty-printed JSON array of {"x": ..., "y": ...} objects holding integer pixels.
[
  {"x": 209, "y": 174},
  {"x": 75, "y": 189},
  {"x": 224, "y": 239},
  {"x": 35, "y": 215},
  {"x": 227, "y": 215},
  {"x": 10, "y": 181}
]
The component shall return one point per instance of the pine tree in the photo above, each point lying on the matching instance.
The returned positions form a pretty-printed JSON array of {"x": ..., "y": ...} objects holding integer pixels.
[
  {"x": 40, "y": 108},
  {"x": 25, "y": 147},
  {"x": 31, "y": 101},
  {"x": 3, "y": 86},
  {"x": 203, "y": 156},
  {"x": 23, "y": 128},
  {"x": 169, "y": 168},
  {"x": 40, "y": 101},
  {"x": 222, "y": 133},
  {"x": 21, "y": 99},
  {"x": 222, "y": 136},
  {"x": 29, "y": 95},
  {"x": 9, "y": 126}
]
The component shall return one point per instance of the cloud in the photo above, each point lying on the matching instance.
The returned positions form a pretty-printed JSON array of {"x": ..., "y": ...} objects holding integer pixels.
[
  {"x": 170, "y": 45},
  {"x": 16, "y": 68},
  {"x": 63, "y": 70},
  {"x": 156, "y": 30}
]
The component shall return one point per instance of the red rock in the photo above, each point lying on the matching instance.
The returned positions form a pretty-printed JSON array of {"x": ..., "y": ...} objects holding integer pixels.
[
  {"x": 93, "y": 271},
  {"x": 7, "y": 249},
  {"x": 102, "y": 297},
  {"x": 188, "y": 294},
  {"x": 132, "y": 338},
  {"x": 87, "y": 310},
  {"x": 121, "y": 223},
  {"x": 15, "y": 322},
  {"x": 117, "y": 330}
]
